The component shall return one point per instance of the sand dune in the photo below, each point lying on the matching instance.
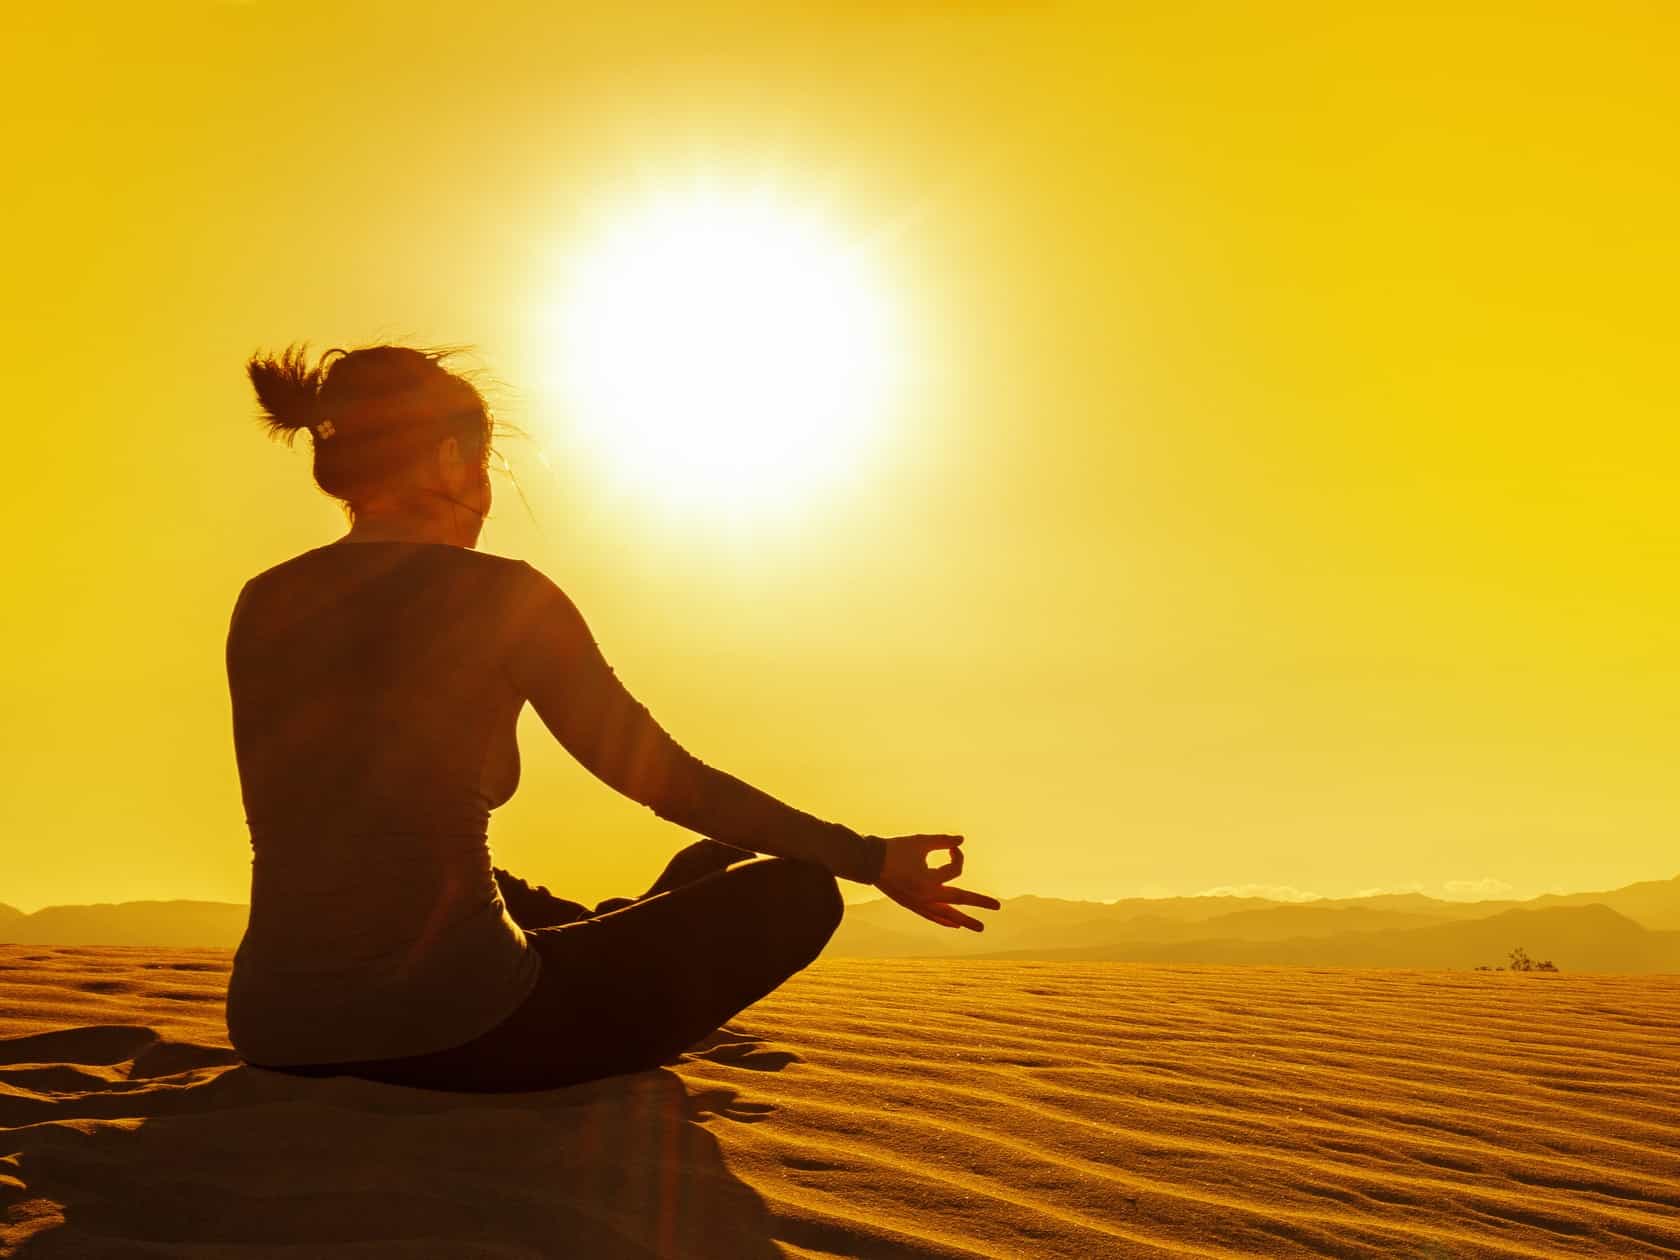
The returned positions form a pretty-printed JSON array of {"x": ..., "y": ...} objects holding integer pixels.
[{"x": 947, "y": 1108}]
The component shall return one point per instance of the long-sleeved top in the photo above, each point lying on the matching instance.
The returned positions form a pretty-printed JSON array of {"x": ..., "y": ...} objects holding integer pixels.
[{"x": 375, "y": 691}]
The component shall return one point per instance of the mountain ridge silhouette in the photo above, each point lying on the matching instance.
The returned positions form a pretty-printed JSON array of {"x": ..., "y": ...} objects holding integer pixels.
[{"x": 1635, "y": 928}]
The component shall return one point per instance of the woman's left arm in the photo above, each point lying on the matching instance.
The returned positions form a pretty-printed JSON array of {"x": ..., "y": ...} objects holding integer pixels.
[{"x": 556, "y": 663}]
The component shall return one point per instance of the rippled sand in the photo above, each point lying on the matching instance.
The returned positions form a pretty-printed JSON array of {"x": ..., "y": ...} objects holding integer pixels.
[{"x": 897, "y": 1107}]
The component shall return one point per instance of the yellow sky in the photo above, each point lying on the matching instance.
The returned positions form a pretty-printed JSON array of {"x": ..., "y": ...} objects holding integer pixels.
[{"x": 1284, "y": 498}]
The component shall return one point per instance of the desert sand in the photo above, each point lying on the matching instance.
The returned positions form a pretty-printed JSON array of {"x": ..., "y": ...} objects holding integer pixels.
[{"x": 873, "y": 1108}]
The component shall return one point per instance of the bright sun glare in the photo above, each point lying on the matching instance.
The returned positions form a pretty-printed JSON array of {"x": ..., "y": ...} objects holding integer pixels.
[{"x": 725, "y": 349}]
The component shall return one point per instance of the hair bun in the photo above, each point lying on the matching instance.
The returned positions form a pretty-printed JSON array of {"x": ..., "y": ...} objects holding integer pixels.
[{"x": 376, "y": 412}]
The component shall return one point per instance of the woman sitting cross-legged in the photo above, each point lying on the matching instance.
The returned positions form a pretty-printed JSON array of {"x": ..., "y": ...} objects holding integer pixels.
[{"x": 376, "y": 683}]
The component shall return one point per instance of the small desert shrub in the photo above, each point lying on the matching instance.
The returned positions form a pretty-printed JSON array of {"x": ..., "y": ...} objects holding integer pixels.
[{"x": 1520, "y": 961}]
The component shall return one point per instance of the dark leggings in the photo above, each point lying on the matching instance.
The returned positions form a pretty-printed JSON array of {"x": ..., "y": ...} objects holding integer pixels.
[{"x": 636, "y": 981}]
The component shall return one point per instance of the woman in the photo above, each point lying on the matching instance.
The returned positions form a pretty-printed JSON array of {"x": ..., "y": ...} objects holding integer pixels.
[{"x": 376, "y": 682}]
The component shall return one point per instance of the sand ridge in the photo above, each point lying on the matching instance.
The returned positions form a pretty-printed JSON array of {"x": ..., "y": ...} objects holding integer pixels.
[{"x": 902, "y": 1107}]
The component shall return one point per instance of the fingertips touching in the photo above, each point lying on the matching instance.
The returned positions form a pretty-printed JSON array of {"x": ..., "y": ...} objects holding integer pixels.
[{"x": 949, "y": 871}]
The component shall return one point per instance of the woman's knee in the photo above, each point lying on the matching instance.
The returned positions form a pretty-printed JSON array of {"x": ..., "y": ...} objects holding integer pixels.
[{"x": 811, "y": 893}]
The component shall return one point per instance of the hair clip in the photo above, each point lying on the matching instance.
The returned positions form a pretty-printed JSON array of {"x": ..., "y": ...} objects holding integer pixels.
[{"x": 324, "y": 429}]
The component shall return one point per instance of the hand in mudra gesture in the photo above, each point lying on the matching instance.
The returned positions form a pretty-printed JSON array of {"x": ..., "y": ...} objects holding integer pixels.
[{"x": 908, "y": 880}]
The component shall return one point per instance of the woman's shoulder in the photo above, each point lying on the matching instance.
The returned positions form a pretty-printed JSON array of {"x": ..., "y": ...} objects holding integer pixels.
[
  {"x": 341, "y": 582},
  {"x": 333, "y": 569},
  {"x": 388, "y": 553}
]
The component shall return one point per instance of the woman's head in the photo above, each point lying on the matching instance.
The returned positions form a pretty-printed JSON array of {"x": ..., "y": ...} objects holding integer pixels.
[{"x": 393, "y": 431}]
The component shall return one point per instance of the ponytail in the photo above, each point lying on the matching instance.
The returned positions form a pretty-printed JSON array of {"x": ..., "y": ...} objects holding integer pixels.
[{"x": 288, "y": 391}]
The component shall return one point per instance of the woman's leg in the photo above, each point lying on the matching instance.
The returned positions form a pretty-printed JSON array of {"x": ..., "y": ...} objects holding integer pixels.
[
  {"x": 634, "y": 988},
  {"x": 630, "y": 989}
]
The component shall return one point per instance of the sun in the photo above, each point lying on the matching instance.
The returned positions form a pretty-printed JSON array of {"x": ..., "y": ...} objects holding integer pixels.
[{"x": 724, "y": 349}]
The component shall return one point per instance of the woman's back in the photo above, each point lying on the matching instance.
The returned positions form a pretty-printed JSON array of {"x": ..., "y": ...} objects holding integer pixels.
[
  {"x": 374, "y": 719},
  {"x": 364, "y": 679}
]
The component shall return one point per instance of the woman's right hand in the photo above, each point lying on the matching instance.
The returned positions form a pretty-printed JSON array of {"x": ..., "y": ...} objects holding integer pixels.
[{"x": 907, "y": 879}]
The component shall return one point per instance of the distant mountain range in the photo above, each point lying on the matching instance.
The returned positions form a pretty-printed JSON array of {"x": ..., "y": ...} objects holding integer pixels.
[
  {"x": 1632, "y": 929},
  {"x": 173, "y": 924}
]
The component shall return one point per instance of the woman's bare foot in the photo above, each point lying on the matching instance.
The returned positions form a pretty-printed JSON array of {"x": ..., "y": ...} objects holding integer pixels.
[{"x": 698, "y": 860}]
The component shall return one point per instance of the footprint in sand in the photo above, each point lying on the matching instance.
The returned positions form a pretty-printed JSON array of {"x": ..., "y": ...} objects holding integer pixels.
[{"x": 746, "y": 1054}]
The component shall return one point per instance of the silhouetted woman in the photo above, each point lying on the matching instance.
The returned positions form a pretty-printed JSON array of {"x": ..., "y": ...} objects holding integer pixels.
[{"x": 376, "y": 682}]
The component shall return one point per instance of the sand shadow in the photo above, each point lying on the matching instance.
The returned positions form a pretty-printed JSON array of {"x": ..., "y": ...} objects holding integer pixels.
[{"x": 114, "y": 1140}]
